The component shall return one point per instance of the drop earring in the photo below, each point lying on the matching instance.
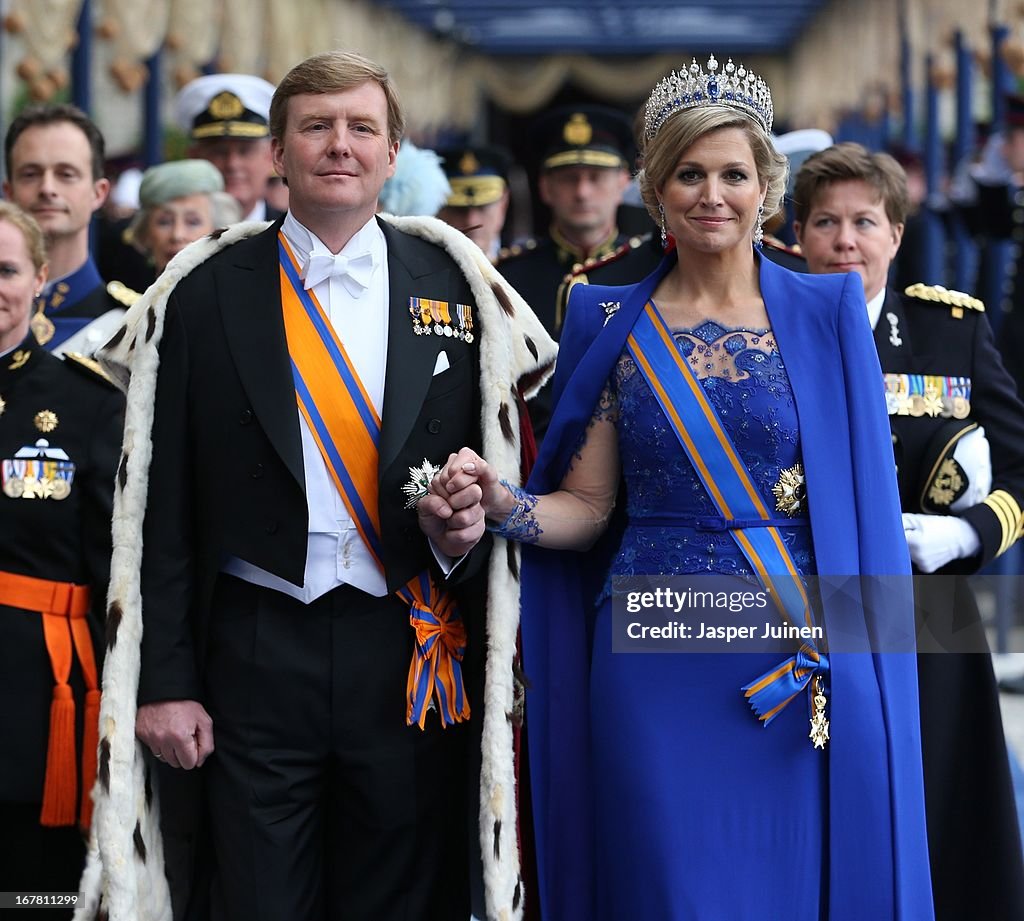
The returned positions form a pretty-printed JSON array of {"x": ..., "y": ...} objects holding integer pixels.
[
  {"x": 664, "y": 233},
  {"x": 758, "y": 228}
]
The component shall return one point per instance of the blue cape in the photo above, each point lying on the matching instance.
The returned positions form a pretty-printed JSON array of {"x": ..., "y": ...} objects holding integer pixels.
[{"x": 875, "y": 784}]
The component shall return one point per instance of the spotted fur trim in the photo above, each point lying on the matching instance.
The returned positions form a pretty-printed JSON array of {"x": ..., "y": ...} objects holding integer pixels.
[{"x": 124, "y": 875}]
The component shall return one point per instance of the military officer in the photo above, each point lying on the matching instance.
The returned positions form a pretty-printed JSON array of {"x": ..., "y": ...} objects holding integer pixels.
[
  {"x": 226, "y": 117},
  {"x": 54, "y": 159},
  {"x": 584, "y": 171},
  {"x": 478, "y": 176},
  {"x": 60, "y": 434},
  {"x": 958, "y": 435}
]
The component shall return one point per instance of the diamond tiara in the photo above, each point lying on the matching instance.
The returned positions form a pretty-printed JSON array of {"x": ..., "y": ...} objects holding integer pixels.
[{"x": 692, "y": 87}]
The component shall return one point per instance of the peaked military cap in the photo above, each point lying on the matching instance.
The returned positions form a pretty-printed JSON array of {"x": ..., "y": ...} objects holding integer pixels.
[
  {"x": 478, "y": 175},
  {"x": 225, "y": 105},
  {"x": 585, "y": 135}
]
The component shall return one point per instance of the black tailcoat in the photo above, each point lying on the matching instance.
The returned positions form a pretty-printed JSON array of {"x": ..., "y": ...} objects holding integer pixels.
[{"x": 227, "y": 477}]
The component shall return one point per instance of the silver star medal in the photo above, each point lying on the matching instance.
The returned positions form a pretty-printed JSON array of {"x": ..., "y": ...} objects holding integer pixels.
[
  {"x": 419, "y": 482},
  {"x": 894, "y": 330}
]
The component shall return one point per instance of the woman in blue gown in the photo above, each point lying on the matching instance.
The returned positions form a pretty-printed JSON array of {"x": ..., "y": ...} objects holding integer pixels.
[{"x": 722, "y": 417}]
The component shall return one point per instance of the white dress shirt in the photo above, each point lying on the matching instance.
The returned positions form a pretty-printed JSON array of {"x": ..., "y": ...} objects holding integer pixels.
[
  {"x": 336, "y": 554},
  {"x": 875, "y": 308}
]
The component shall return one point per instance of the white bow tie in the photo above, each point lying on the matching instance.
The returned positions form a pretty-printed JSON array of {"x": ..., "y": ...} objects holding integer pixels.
[{"x": 354, "y": 272}]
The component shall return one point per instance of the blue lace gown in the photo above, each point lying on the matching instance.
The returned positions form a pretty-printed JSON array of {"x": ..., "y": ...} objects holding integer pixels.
[{"x": 702, "y": 812}]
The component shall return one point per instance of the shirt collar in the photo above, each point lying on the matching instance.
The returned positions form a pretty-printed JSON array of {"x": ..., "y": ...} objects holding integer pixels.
[
  {"x": 875, "y": 307},
  {"x": 369, "y": 238}
]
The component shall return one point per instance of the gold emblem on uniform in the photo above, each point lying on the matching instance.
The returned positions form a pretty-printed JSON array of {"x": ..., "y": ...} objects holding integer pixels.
[
  {"x": 18, "y": 359},
  {"x": 578, "y": 130},
  {"x": 469, "y": 164},
  {"x": 225, "y": 105},
  {"x": 947, "y": 484},
  {"x": 3, "y": 406},
  {"x": 42, "y": 326},
  {"x": 790, "y": 491},
  {"x": 46, "y": 420},
  {"x": 37, "y": 472}
]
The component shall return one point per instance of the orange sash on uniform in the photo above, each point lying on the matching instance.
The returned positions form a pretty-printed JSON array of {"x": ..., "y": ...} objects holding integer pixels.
[{"x": 64, "y": 607}]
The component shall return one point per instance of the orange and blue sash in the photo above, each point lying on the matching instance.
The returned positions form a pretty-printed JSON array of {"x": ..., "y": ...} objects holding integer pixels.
[
  {"x": 346, "y": 428},
  {"x": 699, "y": 430}
]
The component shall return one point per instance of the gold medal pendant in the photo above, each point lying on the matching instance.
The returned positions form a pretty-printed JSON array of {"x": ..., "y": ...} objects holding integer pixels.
[
  {"x": 819, "y": 724},
  {"x": 42, "y": 326}
]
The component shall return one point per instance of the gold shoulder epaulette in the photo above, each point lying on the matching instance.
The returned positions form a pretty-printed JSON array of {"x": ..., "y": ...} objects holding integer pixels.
[
  {"x": 122, "y": 293},
  {"x": 90, "y": 366},
  {"x": 957, "y": 301}
]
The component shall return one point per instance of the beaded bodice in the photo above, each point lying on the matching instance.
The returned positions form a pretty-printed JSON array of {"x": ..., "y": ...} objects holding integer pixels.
[{"x": 743, "y": 376}]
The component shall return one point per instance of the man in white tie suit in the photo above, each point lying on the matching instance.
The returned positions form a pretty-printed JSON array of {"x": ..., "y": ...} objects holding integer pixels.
[{"x": 306, "y": 648}]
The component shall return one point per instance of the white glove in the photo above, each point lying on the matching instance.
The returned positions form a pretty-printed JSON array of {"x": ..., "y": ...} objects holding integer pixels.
[
  {"x": 935, "y": 540},
  {"x": 973, "y": 455}
]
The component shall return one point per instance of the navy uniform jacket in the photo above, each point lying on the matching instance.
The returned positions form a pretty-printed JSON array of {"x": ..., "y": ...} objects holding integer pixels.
[
  {"x": 74, "y": 302},
  {"x": 536, "y": 269},
  {"x": 64, "y": 540},
  {"x": 942, "y": 339},
  {"x": 973, "y": 838}
]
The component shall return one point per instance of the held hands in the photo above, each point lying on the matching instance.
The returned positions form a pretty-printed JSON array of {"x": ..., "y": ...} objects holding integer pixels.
[
  {"x": 935, "y": 540},
  {"x": 177, "y": 732},
  {"x": 463, "y": 492}
]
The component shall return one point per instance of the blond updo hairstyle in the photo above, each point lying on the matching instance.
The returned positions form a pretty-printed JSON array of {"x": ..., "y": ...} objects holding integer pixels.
[{"x": 682, "y": 129}]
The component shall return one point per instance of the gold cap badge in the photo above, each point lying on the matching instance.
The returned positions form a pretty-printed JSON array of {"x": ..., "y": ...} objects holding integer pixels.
[
  {"x": 578, "y": 130},
  {"x": 225, "y": 105}
]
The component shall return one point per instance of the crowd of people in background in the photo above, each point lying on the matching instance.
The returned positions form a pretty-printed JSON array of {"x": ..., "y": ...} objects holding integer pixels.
[{"x": 163, "y": 282}]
